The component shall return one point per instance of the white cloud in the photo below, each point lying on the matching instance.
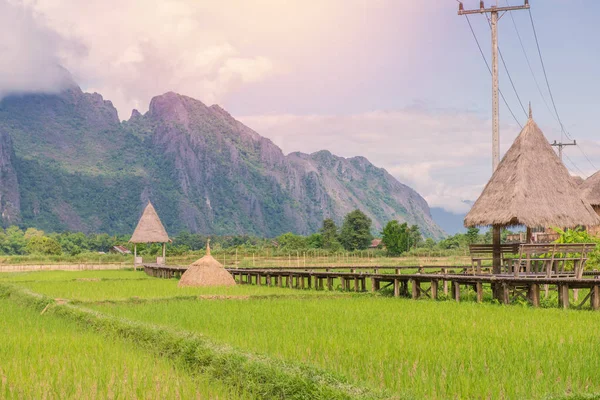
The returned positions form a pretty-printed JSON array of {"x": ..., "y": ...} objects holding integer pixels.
[
  {"x": 127, "y": 50},
  {"x": 31, "y": 53},
  {"x": 443, "y": 154}
]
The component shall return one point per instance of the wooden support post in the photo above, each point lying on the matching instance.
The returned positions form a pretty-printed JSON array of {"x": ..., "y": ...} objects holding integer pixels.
[
  {"x": 456, "y": 291},
  {"x": 396, "y": 288},
  {"x": 280, "y": 281},
  {"x": 309, "y": 282},
  {"x": 302, "y": 282},
  {"x": 258, "y": 280},
  {"x": 595, "y": 297},
  {"x": 329, "y": 283},
  {"x": 479, "y": 290},
  {"x": 356, "y": 284},
  {"x": 534, "y": 295},
  {"x": 372, "y": 285},
  {"x": 415, "y": 289},
  {"x": 434, "y": 289},
  {"x": 445, "y": 282},
  {"x": 505, "y": 293},
  {"x": 564, "y": 295}
]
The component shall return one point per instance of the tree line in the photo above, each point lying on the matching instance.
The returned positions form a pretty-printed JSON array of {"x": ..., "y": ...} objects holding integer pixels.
[{"x": 355, "y": 234}]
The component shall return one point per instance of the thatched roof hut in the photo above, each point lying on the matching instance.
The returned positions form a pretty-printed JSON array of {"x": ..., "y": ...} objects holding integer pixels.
[
  {"x": 206, "y": 272},
  {"x": 149, "y": 228},
  {"x": 590, "y": 190},
  {"x": 531, "y": 187}
]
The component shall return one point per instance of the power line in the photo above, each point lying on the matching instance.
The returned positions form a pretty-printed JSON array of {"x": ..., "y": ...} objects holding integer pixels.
[
  {"x": 586, "y": 157},
  {"x": 490, "y": 71},
  {"x": 529, "y": 64},
  {"x": 562, "y": 127},
  {"x": 575, "y": 165},
  {"x": 511, "y": 82}
]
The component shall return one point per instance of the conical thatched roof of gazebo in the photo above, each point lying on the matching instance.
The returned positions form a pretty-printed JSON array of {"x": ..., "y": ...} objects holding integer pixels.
[
  {"x": 531, "y": 187},
  {"x": 590, "y": 189},
  {"x": 149, "y": 228},
  {"x": 206, "y": 272}
]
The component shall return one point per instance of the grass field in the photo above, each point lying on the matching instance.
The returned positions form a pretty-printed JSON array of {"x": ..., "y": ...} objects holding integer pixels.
[
  {"x": 396, "y": 347},
  {"x": 419, "y": 348},
  {"x": 44, "y": 357}
]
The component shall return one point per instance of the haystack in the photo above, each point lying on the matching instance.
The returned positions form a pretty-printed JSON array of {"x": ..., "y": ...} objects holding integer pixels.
[
  {"x": 206, "y": 272},
  {"x": 531, "y": 187}
]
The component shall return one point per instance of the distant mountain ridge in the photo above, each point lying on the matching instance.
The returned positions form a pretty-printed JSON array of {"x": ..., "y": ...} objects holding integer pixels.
[{"x": 67, "y": 162}]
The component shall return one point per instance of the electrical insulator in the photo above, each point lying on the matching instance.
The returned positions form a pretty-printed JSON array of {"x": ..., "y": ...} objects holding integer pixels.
[
  {"x": 481, "y": 5},
  {"x": 460, "y": 6}
]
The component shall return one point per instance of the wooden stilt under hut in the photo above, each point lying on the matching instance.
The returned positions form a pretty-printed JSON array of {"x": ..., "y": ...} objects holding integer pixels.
[
  {"x": 530, "y": 187},
  {"x": 150, "y": 230}
]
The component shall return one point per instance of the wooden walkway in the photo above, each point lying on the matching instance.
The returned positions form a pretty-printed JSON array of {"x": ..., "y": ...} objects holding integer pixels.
[{"x": 526, "y": 287}]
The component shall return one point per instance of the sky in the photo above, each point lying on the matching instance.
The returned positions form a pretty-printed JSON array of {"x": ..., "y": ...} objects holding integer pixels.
[{"x": 399, "y": 82}]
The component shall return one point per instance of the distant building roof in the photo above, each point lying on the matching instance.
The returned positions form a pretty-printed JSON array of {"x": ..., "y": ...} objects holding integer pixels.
[
  {"x": 375, "y": 243},
  {"x": 121, "y": 249}
]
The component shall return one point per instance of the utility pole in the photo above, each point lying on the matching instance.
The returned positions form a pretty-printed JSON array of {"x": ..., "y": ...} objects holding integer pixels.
[
  {"x": 560, "y": 146},
  {"x": 494, "y": 10}
]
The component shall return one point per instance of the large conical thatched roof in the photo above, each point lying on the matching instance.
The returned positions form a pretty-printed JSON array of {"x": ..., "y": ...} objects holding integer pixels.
[
  {"x": 590, "y": 189},
  {"x": 206, "y": 272},
  {"x": 149, "y": 229},
  {"x": 531, "y": 187}
]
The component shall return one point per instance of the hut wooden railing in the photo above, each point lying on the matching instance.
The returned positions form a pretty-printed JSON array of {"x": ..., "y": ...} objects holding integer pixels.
[
  {"x": 485, "y": 252},
  {"x": 371, "y": 268},
  {"x": 552, "y": 258}
]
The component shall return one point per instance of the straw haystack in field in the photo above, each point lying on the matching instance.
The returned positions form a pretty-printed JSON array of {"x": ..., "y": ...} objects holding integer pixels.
[
  {"x": 150, "y": 230},
  {"x": 531, "y": 187},
  {"x": 206, "y": 272}
]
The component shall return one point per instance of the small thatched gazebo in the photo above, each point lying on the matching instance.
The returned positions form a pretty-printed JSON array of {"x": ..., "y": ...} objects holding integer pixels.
[
  {"x": 206, "y": 272},
  {"x": 530, "y": 187},
  {"x": 150, "y": 230}
]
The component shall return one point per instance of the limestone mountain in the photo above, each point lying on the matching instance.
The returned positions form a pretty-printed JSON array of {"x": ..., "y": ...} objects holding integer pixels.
[{"x": 66, "y": 162}]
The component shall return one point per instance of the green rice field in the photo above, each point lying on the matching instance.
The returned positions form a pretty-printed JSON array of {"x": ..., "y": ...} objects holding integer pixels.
[
  {"x": 44, "y": 357},
  {"x": 285, "y": 343}
]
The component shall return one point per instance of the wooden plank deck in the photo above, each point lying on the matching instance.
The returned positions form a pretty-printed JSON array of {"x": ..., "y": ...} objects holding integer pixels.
[{"x": 524, "y": 287}]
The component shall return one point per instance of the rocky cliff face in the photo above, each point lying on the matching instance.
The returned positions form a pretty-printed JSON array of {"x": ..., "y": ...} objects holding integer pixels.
[
  {"x": 79, "y": 168},
  {"x": 10, "y": 202}
]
